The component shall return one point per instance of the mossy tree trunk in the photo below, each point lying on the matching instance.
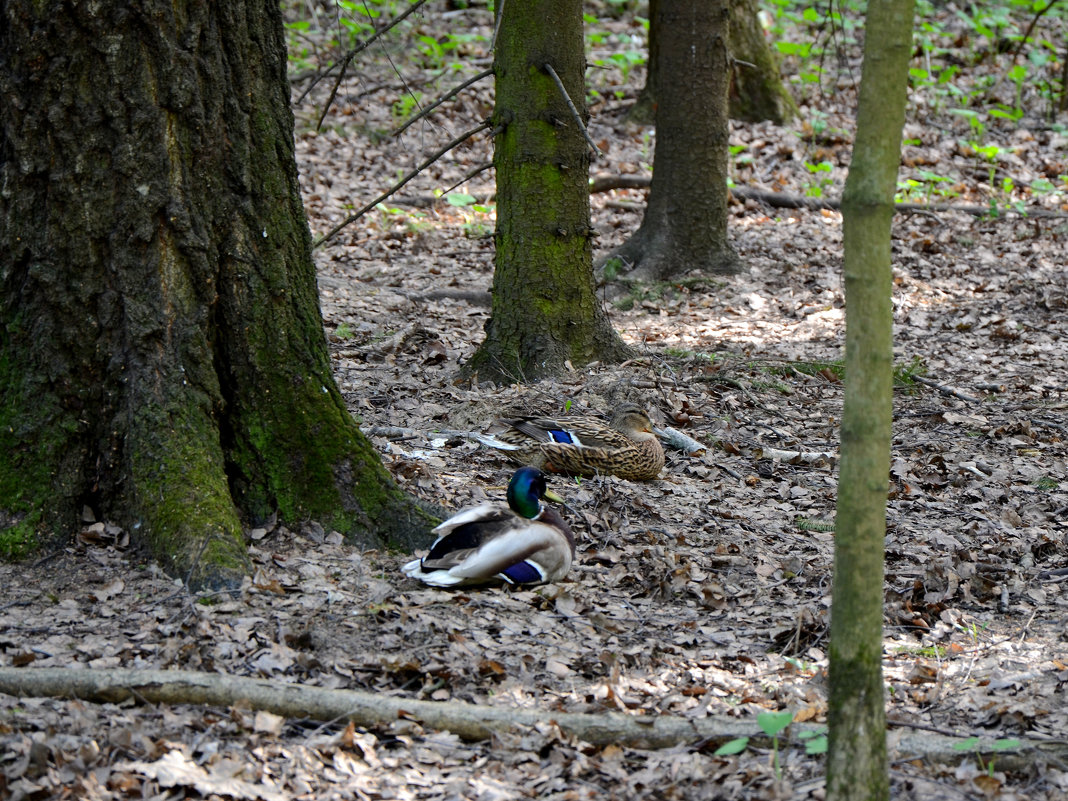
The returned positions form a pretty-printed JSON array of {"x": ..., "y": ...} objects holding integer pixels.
[
  {"x": 545, "y": 311},
  {"x": 643, "y": 112},
  {"x": 162, "y": 356},
  {"x": 857, "y": 764},
  {"x": 756, "y": 93},
  {"x": 685, "y": 222}
]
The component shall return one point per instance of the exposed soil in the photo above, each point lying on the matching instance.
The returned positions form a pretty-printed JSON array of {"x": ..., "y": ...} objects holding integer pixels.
[{"x": 705, "y": 593}]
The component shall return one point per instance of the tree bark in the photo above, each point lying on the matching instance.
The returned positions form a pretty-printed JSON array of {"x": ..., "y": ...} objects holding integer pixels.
[
  {"x": 685, "y": 223},
  {"x": 643, "y": 112},
  {"x": 545, "y": 311},
  {"x": 757, "y": 92},
  {"x": 857, "y": 762},
  {"x": 162, "y": 356}
]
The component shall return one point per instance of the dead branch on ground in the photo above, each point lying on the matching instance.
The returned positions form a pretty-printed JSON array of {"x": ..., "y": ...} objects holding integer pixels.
[
  {"x": 469, "y": 721},
  {"x": 606, "y": 183}
]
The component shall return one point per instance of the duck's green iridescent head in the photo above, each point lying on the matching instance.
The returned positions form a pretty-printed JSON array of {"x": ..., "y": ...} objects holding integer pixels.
[{"x": 525, "y": 490}]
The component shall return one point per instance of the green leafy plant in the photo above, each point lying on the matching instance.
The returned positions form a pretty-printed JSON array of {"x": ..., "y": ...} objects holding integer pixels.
[
  {"x": 975, "y": 746},
  {"x": 772, "y": 724},
  {"x": 822, "y": 171},
  {"x": 815, "y": 741}
]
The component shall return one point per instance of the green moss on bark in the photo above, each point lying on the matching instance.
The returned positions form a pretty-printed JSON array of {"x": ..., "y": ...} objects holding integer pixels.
[
  {"x": 162, "y": 357},
  {"x": 182, "y": 503},
  {"x": 544, "y": 311}
]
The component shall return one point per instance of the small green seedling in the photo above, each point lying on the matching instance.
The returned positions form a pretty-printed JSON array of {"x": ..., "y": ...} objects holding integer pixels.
[
  {"x": 974, "y": 744},
  {"x": 771, "y": 723},
  {"x": 815, "y": 741}
]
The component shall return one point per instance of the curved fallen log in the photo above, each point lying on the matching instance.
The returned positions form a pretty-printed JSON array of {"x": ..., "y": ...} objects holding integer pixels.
[{"x": 469, "y": 721}]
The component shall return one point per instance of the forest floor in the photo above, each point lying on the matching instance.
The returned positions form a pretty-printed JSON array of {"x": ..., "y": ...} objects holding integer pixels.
[{"x": 703, "y": 594}]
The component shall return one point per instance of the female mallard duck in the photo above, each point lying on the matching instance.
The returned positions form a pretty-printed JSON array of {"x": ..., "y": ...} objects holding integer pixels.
[
  {"x": 580, "y": 446},
  {"x": 521, "y": 543}
]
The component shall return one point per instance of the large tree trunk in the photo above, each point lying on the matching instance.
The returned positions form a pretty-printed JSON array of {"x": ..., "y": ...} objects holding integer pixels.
[
  {"x": 856, "y": 760},
  {"x": 685, "y": 222},
  {"x": 545, "y": 309},
  {"x": 162, "y": 357}
]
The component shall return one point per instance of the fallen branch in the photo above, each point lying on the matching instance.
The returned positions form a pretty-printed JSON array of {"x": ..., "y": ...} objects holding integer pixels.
[
  {"x": 945, "y": 390},
  {"x": 674, "y": 438},
  {"x": 605, "y": 183},
  {"x": 469, "y": 721},
  {"x": 814, "y": 458}
]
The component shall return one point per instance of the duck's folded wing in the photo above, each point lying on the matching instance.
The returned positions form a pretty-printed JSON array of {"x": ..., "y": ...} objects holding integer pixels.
[
  {"x": 545, "y": 429},
  {"x": 564, "y": 459},
  {"x": 498, "y": 555},
  {"x": 485, "y": 512}
]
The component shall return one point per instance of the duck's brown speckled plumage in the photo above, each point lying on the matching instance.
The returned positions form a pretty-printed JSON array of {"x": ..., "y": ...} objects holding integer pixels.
[{"x": 627, "y": 447}]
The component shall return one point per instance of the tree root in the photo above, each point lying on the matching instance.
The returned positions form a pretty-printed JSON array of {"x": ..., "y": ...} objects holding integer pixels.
[{"x": 469, "y": 721}]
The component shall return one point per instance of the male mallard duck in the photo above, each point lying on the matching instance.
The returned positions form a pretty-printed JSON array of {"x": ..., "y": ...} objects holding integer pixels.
[
  {"x": 581, "y": 446},
  {"x": 521, "y": 543}
]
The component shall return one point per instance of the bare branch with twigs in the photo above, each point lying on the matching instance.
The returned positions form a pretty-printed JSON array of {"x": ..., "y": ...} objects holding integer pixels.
[{"x": 353, "y": 217}]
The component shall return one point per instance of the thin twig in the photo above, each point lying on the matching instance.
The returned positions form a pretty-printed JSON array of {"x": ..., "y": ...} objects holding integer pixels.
[
  {"x": 1030, "y": 28},
  {"x": 426, "y": 110},
  {"x": 497, "y": 25},
  {"x": 360, "y": 47},
  {"x": 469, "y": 175},
  {"x": 353, "y": 217},
  {"x": 574, "y": 111}
]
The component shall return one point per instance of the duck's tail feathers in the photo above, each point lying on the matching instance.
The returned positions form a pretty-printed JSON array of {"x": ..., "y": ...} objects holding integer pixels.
[{"x": 493, "y": 442}]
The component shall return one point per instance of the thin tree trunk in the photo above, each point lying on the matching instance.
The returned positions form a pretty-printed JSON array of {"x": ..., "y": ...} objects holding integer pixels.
[
  {"x": 545, "y": 310},
  {"x": 857, "y": 763},
  {"x": 162, "y": 357}
]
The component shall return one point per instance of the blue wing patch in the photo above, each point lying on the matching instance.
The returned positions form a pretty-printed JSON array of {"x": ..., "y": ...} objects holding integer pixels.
[
  {"x": 522, "y": 573},
  {"x": 559, "y": 435}
]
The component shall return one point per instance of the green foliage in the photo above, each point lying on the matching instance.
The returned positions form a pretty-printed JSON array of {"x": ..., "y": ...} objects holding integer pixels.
[
  {"x": 19, "y": 539},
  {"x": 973, "y": 62},
  {"x": 904, "y": 372},
  {"x": 612, "y": 268},
  {"x": 405, "y": 105},
  {"x": 773, "y": 724},
  {"x": 815, "y": 741},
  {"x": 977, "y": 746},
  {"x": 822, "y": 173},
  {"x": 1047, "y": 484},
  {"x": 805, "y": 524}
]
